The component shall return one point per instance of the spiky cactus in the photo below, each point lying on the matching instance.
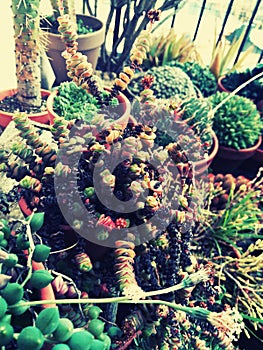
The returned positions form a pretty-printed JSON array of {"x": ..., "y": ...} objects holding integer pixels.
[{"x": 27, "y": 51}]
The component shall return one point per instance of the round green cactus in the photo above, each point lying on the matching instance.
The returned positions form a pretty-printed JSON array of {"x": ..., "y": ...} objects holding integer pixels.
[
  {"x": 237, "y": 122},
  {"x": 169, "y": 82}
]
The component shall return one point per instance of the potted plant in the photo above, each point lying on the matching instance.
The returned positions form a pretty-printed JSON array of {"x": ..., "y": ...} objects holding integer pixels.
[
  {"x": 254, "y": 90},
  {"x": 238, "y": 126},
  {"x": 28, "y": 95},
  {"x": 141, "y": 296},
  {"x": 169, "y": 82},
  {"x": 201, "y": 76},
  {"x": 229, "y": 231},
  {"x": 190, "y": 120},
  {"x": 81, "y": 71},
  {"x": 91, "y": 35},
  {"x": 171, "y": 47}
]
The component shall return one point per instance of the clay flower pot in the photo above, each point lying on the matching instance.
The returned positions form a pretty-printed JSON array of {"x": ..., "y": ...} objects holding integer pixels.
[
  {"x": 123, "y": 110},
  {"x": 202, "y": 165},
  {"x": 229, "y": 159},
  {"x": 6, "y": 117},
  {"x": 89, "y": 44}
]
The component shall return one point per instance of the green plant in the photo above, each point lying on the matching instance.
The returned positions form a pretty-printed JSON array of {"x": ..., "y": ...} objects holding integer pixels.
[
  {"x": 202, "y": 78},
  {"x": 223, "y": 55},
  {"x": 168, "y": 83},
  {"x": 196, "y": 114},
  {"x": 73, "y": 102},
  {"x": 171, "y": 47},
  {"x": 254, "y": 90},
  {"x": 236, "y": 122},
  {"x": 56, "y": 324},
  {"x": 229, "y": 232}
]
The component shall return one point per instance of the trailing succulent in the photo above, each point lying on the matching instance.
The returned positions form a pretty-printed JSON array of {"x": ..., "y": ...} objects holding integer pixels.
[
  {"x": 253, "y": 90},
  {"x": 169, "y": 82},
  {"x": 236, "y": 122},
  {"x": 148, "y": 258},
  {"x": 202, "y": 78}
]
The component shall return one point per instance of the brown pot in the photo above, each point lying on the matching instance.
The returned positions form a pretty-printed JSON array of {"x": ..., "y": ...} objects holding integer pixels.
[
  {"x": 202, "y": 165},
  {"x": 6, "y": 117},
  {"x": 229, "y": 159},
  {"x": 258, "y": 156},
  {"x": 88, "y": 44},
  {"x": 124, "y": 112}
]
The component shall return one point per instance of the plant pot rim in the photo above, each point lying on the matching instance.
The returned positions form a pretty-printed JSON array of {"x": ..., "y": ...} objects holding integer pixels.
[
  {"x": 6, "y": 117},
  {"x": 239, "y": 154},
  {"x": 82, "y": 36},
  {"x": 123, "y": 120},
  {"x": 202, "y": 165}
]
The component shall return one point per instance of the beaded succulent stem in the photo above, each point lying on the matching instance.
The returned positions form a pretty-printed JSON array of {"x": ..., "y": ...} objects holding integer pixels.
[
  {"x": 124, "y": 255},
  {"x": 29, "y": 133},
  {"x": 81, "y": 71},
  {"x": 27, "y": 51}
]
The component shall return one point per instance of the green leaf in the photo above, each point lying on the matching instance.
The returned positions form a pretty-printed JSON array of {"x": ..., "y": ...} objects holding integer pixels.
[
  {"x": 37, "y": 221},
  {"x": 40, "y": 279},
  {"x": 41, "y": 252},
  {"x": 48, "y": 320}
]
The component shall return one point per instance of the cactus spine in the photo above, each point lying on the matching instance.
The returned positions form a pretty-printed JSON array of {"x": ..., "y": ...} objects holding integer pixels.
[{"x": 27, "y": 51}]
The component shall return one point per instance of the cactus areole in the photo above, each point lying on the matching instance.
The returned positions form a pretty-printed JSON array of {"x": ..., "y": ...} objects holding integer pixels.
[{"x": 27, "y": 51}]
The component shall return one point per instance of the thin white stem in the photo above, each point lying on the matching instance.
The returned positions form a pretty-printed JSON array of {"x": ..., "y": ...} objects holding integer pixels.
[{"x": 231, "y": 94}]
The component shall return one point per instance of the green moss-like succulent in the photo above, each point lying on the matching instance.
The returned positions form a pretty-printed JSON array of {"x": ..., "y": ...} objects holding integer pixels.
[
  {"x": 169, "y": 82},
  {"x": 237, "y": 122},
  {"x": 201, "y": 76}
]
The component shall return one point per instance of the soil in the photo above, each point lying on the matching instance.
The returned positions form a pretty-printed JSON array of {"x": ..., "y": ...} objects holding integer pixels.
[
  {"x": 50, "y": 25},
  {"x": 11, "y": 104}
]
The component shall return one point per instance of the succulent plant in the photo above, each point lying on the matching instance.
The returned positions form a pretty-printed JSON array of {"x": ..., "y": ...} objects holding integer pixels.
[
  {"x": 170, "y": 47},
  {"x": 201, "y": 76},
  {"x": 27, "y": 51},
  {"x": 169, "y": 82},
  {"x": 73, "y": 102},
  {"x": 236, "y": 122},
  {"x": 254, "y": 90}
]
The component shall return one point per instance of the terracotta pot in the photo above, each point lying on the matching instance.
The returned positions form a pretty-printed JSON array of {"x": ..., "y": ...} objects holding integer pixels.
[
  {"x": 124, "y": 110},
  {"x": 202, "y": 165},
  {"x": 88, "y": 44},
  {"x": 258, "y": 156},
  {"x": 229, "y": 159},
  {"x": 6, "y": 117}
]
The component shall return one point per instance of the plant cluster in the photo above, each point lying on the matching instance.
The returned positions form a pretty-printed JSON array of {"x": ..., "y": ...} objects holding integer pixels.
[
  {"x": 229, "y": 234},
  {"x": 236, "y": 120},
  {"x": 254, "y": 90},
  {"x": 163, "y": 265},
  {"x": 170, "y": 47},
  {"x": 169, "y": 82},
  {"x": 73, "y": 102},
  {"x": 202, "y": 78}
]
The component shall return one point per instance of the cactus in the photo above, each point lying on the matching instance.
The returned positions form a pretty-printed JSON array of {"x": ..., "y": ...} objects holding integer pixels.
[{"x": 27, "y": 51}]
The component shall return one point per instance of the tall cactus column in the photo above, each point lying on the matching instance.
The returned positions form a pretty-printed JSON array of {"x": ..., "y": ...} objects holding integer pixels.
[{"x": 27, "y": 51}]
